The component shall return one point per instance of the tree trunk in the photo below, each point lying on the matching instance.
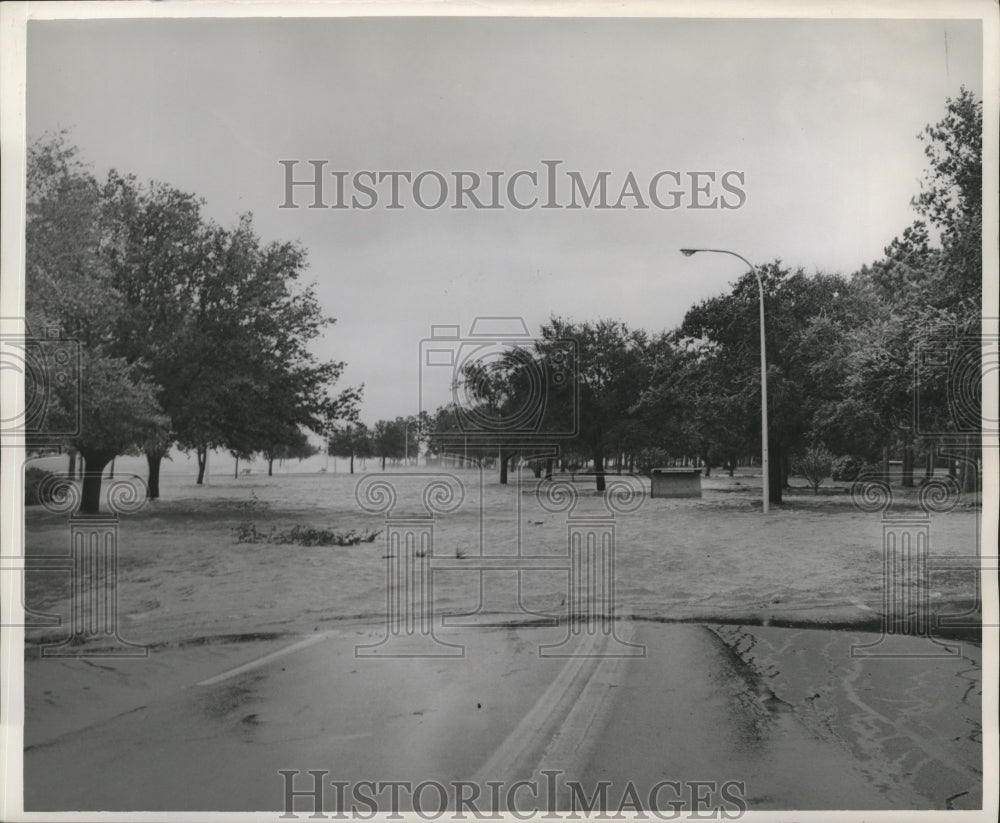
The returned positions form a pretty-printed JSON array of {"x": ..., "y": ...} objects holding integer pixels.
[
  {"x": 383, "y": 462},
  {"x": 908, "y": 463},
  {"x": 90, "y": 495},
  {"x": 236, "y": 468},
  {"x": 270, "y": 464},
  {"x": 153, "y": 460},
  {"x": 775, "y": 484},
  {"x": 504, "y": 458},
  {"x": 599, "y": 467},
  {"x": 732, "y": 466},
  {"x": 202, "y": 455},
  {"x": 786, "y": 469},
  {"x": 548, "y": 469},
  {"x": 352, "y": 462},
  {"x": 72, "y": 464},
  {"x": 930, "y": 460},
  {"x": 706, "y": 467}
]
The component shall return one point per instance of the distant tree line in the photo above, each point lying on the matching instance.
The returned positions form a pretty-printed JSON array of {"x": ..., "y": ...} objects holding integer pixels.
[{"x": 394, "y": 441}]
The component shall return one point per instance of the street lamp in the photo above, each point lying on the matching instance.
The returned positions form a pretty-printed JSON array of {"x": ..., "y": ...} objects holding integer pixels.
[
  {"x": 406, "y": 441},
  {"x": 763, "y": 367}
]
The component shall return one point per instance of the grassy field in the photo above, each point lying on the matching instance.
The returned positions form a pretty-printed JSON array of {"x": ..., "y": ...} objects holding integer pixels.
[{"x": 183, "y": 575}]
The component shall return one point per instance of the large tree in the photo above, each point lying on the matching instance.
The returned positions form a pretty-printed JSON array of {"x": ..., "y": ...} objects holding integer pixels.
[
  {"x": 118, "y": 415},
  {"x": 693, "y": 403},
  {"x": 158, "y": 255},
  {"x": 611, "y": 370},
  {"x": 215, "y": 323},
  {"x": 220, "y": 322},
  {"x": 920, "y": 326},
  {"x": 498, "y": 396},
  {"x": 801, "y": 313},
  {"x": 444, "y": 435},
  {"x": 951, "y": 198},
  {"x": 70, "y": 285}
]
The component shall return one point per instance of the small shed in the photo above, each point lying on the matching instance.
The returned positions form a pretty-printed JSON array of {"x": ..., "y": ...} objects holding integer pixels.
[{"x": 676, "y": 483}]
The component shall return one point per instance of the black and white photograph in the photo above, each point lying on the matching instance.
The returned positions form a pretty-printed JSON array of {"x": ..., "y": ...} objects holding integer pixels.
[{"x": 460, "y": 411}]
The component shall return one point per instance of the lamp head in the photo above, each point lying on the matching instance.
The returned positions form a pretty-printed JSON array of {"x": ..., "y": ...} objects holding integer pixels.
[{"x": 688, "y": 252}]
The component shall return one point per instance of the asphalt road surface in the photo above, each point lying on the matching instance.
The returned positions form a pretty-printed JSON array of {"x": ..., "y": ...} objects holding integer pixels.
[{"x": 672, "y": 716}]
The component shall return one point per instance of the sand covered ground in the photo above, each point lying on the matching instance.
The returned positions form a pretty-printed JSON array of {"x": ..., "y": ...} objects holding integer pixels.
[
  {"x": 183, "y": 575},
  {"x": 774, "y": 604}
]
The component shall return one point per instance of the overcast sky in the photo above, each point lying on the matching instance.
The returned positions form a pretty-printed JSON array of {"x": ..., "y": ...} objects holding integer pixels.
[{"x": 820, "y": 116}]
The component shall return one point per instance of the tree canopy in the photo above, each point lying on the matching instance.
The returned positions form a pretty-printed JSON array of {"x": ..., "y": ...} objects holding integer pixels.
[
  {"x": 193, "y": 334},
  {"x": 884, "y": 360}
]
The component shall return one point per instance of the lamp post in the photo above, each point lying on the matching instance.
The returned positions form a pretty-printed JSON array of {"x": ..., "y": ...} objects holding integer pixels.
[
  {"x": 406, "y": 441},
  {"x": 763, "y": 368}
]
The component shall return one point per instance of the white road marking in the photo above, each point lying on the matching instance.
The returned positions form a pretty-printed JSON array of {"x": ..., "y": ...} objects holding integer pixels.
[{"x": 263, "y": 661}]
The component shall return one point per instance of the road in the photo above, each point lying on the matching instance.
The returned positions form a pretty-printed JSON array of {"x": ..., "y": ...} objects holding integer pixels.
[{"x": 753, "y": 717}]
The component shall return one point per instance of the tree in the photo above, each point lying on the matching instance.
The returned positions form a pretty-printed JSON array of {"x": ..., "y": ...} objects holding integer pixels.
[
  {"x": 119, "y": 413},
  {"x": 157, "y": 253},
  {"x": 350, "y": 440},
  {"x": 220, "y": 321},
  {"x": 920, "y": 297},
  {"x": 287, "y": 444},
  {"x": 69, "y": 284},
  {"x": 66, "y": 277},
  {"x": 807, "y": 318},
  {"x": 951, "y": 197},
  {"x": 214, "y": 322},
  {"x": 693, "y": 403},
  {"x": 497, "y": 393},
  {"x": 611, "y": 369},
  {"x": 396, "y": 439},
  {"x": 814, "y": 464},
  {"x": 386, "y": 442},
  {"x": 443, "y": 435}
]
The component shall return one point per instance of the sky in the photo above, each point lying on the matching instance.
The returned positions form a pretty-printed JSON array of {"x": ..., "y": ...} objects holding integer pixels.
[{"x": 820, "y": 117}]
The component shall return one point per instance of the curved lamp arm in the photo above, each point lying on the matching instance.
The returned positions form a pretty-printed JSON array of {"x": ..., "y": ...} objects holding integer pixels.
[{"x": 763, "y": 370}]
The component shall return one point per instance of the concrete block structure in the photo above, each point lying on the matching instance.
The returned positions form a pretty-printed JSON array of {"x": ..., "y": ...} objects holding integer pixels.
[{"x": 676, "y": 483}]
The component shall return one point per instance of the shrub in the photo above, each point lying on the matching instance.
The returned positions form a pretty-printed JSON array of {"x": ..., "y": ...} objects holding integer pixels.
[
  {"x": 814, "y": 464},
  {"x": 846, "y": 468}
]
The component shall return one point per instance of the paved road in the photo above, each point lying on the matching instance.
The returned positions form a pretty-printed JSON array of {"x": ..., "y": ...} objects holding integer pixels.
[{"x": 773, "y": 718}]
